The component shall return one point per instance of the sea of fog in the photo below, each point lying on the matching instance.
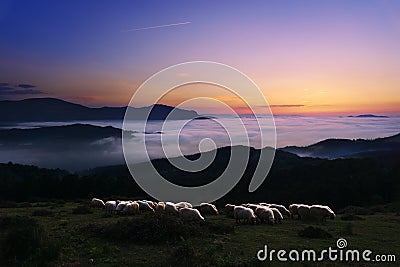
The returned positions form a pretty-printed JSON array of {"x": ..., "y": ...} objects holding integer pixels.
[{"x": 191, "y": 137}]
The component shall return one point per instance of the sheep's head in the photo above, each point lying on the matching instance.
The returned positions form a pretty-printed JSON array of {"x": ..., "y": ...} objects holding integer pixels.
[{"x": 271, "y": 220}]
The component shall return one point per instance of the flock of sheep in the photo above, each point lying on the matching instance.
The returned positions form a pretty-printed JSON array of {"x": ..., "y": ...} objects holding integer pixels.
[{"x": 244, "y": 213}]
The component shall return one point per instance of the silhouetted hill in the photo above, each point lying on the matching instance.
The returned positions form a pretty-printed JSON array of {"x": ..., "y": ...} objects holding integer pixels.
[
  {"x": 292, "y": 179},
  {"x": 346, "y": 148},
  {"x": 75, "y": 133},
  {"x": 368, "y": 116},
  {"x": 52, "y": 109}
]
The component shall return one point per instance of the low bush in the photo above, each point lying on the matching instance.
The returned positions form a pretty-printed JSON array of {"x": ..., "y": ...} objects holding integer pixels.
[
  {"x": 150, "y": 229},
  {"x": 25, "y": 241}
]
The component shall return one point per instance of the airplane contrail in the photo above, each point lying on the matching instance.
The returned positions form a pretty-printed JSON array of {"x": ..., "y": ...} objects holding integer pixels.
[{"x": 158, "y": 26}]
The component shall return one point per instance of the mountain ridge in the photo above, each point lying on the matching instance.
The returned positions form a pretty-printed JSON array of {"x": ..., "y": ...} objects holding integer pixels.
[
  {"x": 346, "y": 148},
  {"x": 54, "y": 109}
]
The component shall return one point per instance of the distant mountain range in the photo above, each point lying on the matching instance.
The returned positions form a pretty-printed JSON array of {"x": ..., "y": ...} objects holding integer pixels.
[
  {"x": 53, "y": 109},
  {"x": 75, "y": 133},
  {"x": 292, "y": 179},
  {"x": 346, "y": 148},
  {"x": 80, "y": 134}
]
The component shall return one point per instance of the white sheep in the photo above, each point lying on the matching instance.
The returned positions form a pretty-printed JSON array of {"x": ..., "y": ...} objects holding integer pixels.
[
  {"x": 251, "y": 206},
  {"x": 277, "y": 215},
  {"x": 120, "y": 206},
  {"x": 207, "y": 208},
  {"x": 152, "y": 204},
  {"x": 131, "y": 208},
  {"x": 171, "y": 208},
  {"x": 228, "y": 210},
  {"x": 244, "y": 213},
  {"x": 144, "y": 206},
  {"x": 282, "y": 209},
  {"x": 160, "y": 208},
  {"x": 303, "y": 211},
  {"x": 293, "y": 210},
  {"x": 190, "y": 215},
  {"x": 97, "y": 203},
  {"x": 183, "y": 205},
  {"x": 321, "y": 212},
  {"x": 110, "y": 206},
  {"x": 265, "y": 214}
]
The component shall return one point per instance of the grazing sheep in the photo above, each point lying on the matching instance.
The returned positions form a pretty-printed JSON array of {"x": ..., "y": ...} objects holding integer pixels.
[
  {"x": 97, "y": 203},
  {"x": 144, "y": 206},
  {"x": 131, "y": 208},
  {"x": 171, "y": 208},
  {"x": 265, "y": 214},
  {"x": 303, "y": 211},
  {"x": 152, "y": 204},
  {"x": 190, "y": 215},
  {"x": 322, "y": 212},
  {"x": 244, "y": 213},
  {"x": 228, "y": 210},
  {"x": 293, "y": 210},
  {"x": 207, "y": 208},
  {"x": 183, "y": 205},
  {"x": 252, "y": 206},
  {"x": 110, "y": 206},
  {"x": 120, "y": 207},
  {"x": 282, "y": 209},
  {"x": 277, "y": 215},
  {"x": 160, "y": 208}
]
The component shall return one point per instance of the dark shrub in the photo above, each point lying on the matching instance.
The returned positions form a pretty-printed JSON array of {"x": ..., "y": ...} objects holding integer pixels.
[
  {"x": 150, "y": 229},
  {"x": 25, "y": 240},
  {"x": 146, "y": 229},
  {"x": 314, "y": 232}
]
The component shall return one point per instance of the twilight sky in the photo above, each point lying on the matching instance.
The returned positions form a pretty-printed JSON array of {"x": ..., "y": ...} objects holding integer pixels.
[{"x": 320, "y": 57}]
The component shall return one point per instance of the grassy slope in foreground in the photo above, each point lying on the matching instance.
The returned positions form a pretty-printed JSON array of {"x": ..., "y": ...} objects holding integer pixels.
[{"x": 218, "y": 242}]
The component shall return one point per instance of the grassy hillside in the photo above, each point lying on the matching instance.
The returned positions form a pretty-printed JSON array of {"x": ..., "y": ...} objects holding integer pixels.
[{"x": 91, "y": 238}]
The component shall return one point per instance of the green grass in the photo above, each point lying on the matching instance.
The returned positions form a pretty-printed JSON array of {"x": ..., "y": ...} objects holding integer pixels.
[{"x": 85, "y": 239}]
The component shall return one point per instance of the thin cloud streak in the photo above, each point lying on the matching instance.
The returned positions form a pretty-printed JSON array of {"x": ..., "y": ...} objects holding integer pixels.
[
  {"x": 287, "y": 106},
  {"x": 158, "y": 26}
]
